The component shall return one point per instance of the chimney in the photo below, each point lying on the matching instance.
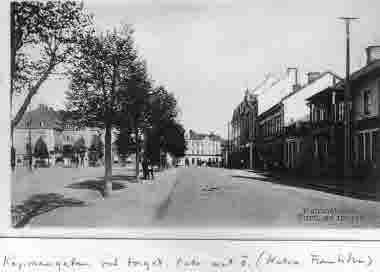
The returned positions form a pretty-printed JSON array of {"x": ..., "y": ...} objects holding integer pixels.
[
  {"x": 293, "y": 77},
  {"x": 373, "y": 53},
  {"x": 311, "y": 76}
]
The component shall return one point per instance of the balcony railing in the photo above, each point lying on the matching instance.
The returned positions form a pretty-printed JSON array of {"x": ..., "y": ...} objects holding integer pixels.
[{"x": 335, "y": 115}]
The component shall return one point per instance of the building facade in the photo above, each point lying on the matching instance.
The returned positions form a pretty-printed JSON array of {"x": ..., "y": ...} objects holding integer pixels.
[
  {"x": 298, "y": 115},
  {"x": 269, "y": 143},
  {"x": 50, "y": 126},
  {"x": 283, "y": 136},
  {"x": 202, "y": 149},
  {"x": 241, "y": 132},
  {"x": 305, "y": 130},
  {"x": 365, "y": 93}
]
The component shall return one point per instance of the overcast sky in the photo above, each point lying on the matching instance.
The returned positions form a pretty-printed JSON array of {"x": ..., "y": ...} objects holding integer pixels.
[{"x": 207, "y": 52}]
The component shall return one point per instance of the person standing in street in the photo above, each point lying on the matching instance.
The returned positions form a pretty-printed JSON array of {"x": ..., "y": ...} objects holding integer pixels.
[
  {"x": 145, "y": 167},
  {"x": 150, "y": 169}
]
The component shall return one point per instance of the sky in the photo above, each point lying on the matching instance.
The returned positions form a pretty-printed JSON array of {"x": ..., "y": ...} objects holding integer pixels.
[{"x": 209, "y": 52}]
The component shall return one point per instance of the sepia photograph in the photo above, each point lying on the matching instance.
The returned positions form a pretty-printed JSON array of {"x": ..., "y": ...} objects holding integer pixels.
[{"x": 194, "y": 114}]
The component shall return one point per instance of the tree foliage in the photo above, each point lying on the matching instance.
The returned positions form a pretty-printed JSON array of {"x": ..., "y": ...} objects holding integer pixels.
[
  {"x": 124, "y": 142},
  {"x": 43, "y": 35},
  {"x": 166, "y": 134},
  {"x": 174, "y": 141},
  {"x": 97, "y": 146},
  {"x": 103, "y": 65},
  {"x": 40, "y": 149},
  {"x": 80, "y": 145}
]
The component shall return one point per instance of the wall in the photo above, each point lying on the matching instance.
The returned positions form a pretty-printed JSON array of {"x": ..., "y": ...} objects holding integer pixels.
[{"x": 207, "y": 147}]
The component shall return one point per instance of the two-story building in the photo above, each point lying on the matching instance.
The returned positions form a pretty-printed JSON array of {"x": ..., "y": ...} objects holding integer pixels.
[
  {"x": 365, "y": 93},
  {"x": 202, "y": 148},
  {"x": 269, "y": 136},
  {"x": 53, "y": 129},
  {"x": 327, "y": 121},
  {"x": 297, "y": 117}
]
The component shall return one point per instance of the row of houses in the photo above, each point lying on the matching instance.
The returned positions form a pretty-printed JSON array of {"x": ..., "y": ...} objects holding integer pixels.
[{"x": 284, "y": 123}]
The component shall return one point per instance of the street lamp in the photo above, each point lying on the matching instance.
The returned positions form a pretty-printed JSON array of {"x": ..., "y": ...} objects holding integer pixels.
[{"x": 347, "y": 104}]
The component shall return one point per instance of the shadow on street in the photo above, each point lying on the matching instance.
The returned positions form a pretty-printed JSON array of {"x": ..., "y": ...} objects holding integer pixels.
[
  {"x": 268, "y": 179},
  {"x": 98, "y": 184},
  {"x": 328, "y": 186},
  {"x": 39, "y": 204}
]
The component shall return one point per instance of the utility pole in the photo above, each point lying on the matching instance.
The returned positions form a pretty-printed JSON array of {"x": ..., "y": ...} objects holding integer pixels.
[{"x": 347, "y": 105}]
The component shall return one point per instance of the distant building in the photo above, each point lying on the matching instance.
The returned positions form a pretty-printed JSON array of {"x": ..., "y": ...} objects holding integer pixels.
[
  {"x": 203, "y": 148},
  {"x": 241, "y": 132},
  {"x": 53, "y": 129}
]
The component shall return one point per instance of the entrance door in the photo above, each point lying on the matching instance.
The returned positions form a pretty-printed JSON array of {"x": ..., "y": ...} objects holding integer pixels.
[{"x": 292, "y": 151}]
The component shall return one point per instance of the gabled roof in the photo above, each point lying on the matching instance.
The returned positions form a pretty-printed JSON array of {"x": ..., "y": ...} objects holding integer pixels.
[
  {"x": 43, "y": 117},
  {"x": 313, "y": 82},
  {"x": 371, "y": 67},
  {"x": 272, "y": 91}
]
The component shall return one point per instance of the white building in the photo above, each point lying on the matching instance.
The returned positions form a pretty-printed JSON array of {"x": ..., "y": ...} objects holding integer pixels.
[{"x": 202, "y": 148}]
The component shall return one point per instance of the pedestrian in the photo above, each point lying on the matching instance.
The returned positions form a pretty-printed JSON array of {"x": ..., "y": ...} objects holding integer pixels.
[
  {"x": 13, "y": 158},
  {"x": 150, "y": 169},
  {"x": 82, "y": 159},
  {"x": 145, "y": 167}
]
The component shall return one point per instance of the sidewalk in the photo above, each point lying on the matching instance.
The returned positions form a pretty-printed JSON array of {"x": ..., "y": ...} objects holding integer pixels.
[
  {"x": 75, "y": 200},
  {"x": 354, "y": 188}
]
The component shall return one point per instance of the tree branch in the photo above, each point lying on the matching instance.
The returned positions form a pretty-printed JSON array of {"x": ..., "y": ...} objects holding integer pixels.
[{"x": 32, "y": 91}]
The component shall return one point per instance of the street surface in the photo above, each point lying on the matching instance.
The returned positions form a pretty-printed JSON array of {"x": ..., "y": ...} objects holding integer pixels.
[
  {"x": 198, "y": 197},
  {"x": 222, "y": 198}
]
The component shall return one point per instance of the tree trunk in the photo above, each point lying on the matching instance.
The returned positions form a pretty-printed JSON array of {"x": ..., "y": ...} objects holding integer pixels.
[
  {"x": 108, "y": 162},
  {"x": 137, "y": 156}
]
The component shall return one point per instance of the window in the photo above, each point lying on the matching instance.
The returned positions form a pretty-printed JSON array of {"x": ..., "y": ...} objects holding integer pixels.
[
  {"x": 341, "y": 111},
  {"x": 315, "y": 148},
  {"x": 366, "y": 101},
  {"x": 366, "y": 145},
  {"x": 374, "y": 145}
]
